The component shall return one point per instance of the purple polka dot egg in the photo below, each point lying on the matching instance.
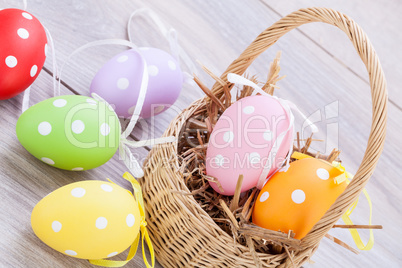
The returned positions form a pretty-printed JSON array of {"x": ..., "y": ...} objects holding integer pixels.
[
  {"x": 251, "y": 138},
  {"x": 119, "y": 81}
]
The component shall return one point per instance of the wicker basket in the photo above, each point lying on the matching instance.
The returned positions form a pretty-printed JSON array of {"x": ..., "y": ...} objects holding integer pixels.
[{"x": 182, "y": 232}]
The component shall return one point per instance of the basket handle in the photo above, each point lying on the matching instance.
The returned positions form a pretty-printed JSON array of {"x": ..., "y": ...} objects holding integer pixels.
[{"x": 379, "y": 95}]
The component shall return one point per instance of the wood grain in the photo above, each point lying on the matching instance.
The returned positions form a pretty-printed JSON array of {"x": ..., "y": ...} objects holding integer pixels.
[
  {"x": 377, "y": 18},
  {"x": 324, "y": 75}
]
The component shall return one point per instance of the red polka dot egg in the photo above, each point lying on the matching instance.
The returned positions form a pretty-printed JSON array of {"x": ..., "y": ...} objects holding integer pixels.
[
  {"x": 119, "y": 80},
  {"x": 23, "y": 46},
  {"x": 251, "y": 138},
  {"x": 297, "y": 199},
  {"x": 87, "y": 219}
]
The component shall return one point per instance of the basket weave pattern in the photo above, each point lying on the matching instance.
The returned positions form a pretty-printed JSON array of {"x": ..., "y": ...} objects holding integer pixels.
[{"x": 182, "y": 232}]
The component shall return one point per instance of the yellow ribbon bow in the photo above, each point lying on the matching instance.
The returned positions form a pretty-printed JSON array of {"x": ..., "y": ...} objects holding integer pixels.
[
  {"x": 345, "y": 176},
  {"x": 144, "y": 232}
]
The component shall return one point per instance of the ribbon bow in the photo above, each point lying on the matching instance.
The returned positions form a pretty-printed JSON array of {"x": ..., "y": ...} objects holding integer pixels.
[
  {"x": 143, "y": 231},
  {"x": 344, "y": 177},
  {"x": 171, "y": 36}
]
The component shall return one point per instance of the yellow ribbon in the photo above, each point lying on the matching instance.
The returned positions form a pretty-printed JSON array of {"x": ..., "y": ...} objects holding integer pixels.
[
  {"x": 355, "y": 234},
  {"x": 145, "y": 236},
  {"x": 345, "y": 176}
]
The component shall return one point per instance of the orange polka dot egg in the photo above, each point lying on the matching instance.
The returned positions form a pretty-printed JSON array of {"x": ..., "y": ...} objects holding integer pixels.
[
  {"x": 297, "y": 199},
  {"x": 87, "y": 219}
]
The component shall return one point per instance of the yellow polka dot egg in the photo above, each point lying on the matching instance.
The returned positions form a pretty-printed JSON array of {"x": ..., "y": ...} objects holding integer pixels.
[
  {"x": 70, "y": 132},
  {"x": 87, "y": 219}
]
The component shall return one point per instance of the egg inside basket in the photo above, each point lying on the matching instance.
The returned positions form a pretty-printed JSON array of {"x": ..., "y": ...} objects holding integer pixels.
[{"x": 233, "y": 214}]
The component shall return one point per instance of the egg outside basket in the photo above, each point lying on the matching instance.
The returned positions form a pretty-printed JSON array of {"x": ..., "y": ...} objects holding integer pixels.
[{"x": 183, "y": 234}]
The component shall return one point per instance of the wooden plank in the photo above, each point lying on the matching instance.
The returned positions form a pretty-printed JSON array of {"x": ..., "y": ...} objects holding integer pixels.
[
  {"x": 109, "y": 21},
  {"x": 379, "y": 19},
  {"x": 216, "y": 33}
]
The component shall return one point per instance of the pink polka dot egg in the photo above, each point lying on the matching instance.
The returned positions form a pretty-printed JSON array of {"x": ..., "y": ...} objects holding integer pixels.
[
  {"x": 70, "y": 132},
  {"x": 23, "y": 48},
  {"x": 87, "y": 219},
  {"x": 251, "y": 138},
  {"x": 119, "y": 80}
]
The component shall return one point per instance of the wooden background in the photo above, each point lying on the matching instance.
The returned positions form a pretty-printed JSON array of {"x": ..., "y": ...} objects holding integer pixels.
[{"x": 323, "y": 74}]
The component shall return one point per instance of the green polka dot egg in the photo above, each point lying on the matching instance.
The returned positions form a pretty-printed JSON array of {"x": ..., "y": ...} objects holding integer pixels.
[
  {"x": 87, "y": 219},
  {"x": 70, "y": 132}
]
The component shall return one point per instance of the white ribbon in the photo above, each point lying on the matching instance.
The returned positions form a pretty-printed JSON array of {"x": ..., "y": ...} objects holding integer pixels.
[
  {"x": 288, "y": 106},
  {"x": 125, "y": 154},
  {"x": 25, "y": 100},
  {"x": 171, "y": 36},
  {"x": 93, "y": 44},
  {"x": 25, "y": 3},
  {"x": 54, "y": 63}
]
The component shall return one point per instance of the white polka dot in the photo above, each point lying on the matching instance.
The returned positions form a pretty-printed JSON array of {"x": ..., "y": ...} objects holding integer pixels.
[
  {"x": 228, "y": 136},
  {"x": 60, "y": 103},
  {"x": 264, "y": 196},
  {"x": 172, "y": 65},
  {"x": 248, "y": 109},
  {"x": 219, "y": 160},
  {"x": 122, "y": 58},
  {"x": 46, "y": 48},
  {"x": 298, "y": 196},
  {"x": 254, "y": 158},
  {"x": 23, "y": 33},
  {"x": 92, "y": 101},
  {"x": 47, "y": 160},
  {"x": 130, "y": 220},
  {"x": 78, "y": 192},
  {"x": 27, "y": 16},
  {"x": 153, "y": 70},
  {"x": 44, "y": 128},
  {"x": 11, "y": 61},
  {"x": 106, "y": 188},
  {"x": 159, "y": 109},
  {"x": 112, "y": 254},
  {"x": 101, "y": 223},
  {"x": 323, "y": 174},
  {"x": 77, "y": 126},
  {"x": 34, "y": 70},
  {"x": 104, "y": 129},
  {"x": 77, "y": 169},
  {"x": 131, "y": 110},
  {"x": 71, "y": 252},
  {"x": 268, "y": 135},
  {"x": 56, "y": 226},
  {"x": 123, "y": 83}
]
